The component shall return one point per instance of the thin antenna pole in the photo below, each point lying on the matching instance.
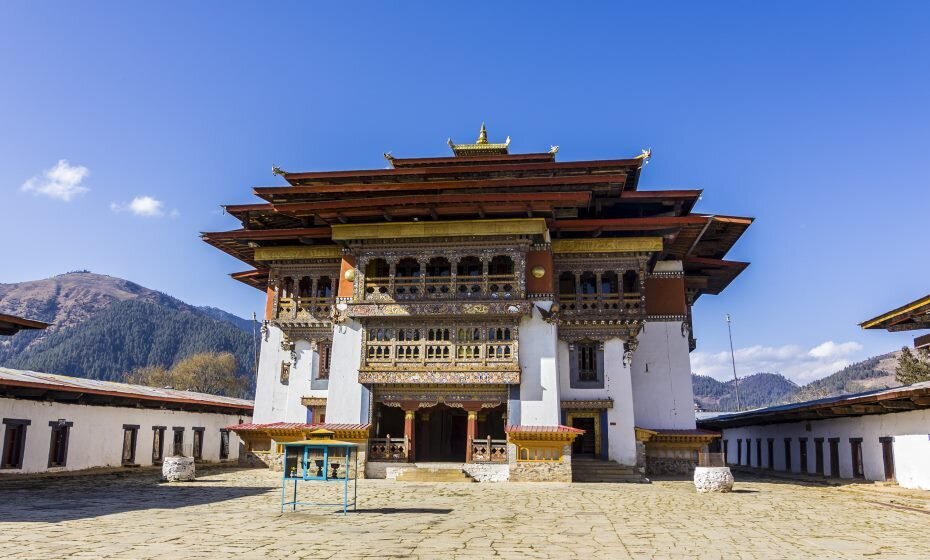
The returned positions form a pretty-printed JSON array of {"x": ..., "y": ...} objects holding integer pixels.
[
  {"x": 739, "y": 406},
  {"x": 255, "y": 340}
]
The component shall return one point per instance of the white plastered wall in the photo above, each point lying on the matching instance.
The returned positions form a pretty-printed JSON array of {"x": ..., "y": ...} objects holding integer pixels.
[
  {"x": 539, "y": 403},
  {"x": 870, "y": 428},
  {"x": 275, "y": 401},
  {"x": 912, "y": 460},
  {"x": 661, "y": 378},
  {"x": 621, "y": 437},
  {"x": 96, "y": 436},
  {"x": 348, "y": 401}
]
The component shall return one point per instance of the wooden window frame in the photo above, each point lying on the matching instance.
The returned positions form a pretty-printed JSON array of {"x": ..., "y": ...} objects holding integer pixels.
[
  {"x": 858, "y": 461},
  {"x": 58, "y": 426},
  {"x": 160, "y": 447},
  {"x": 818, "y": 456},
  {"x": 788, "y": 455},
  {"x": 20, "y": 452},
  {"x": 326, "y": 358},
  {"x": 133, "y": 442},
  {"x": 197, "y": 443},
  {"x": 224, "y": 444},
  {"x": 575, "y": 356},
  {"x": 802, "y": 455},
  {"x": 174, "y": 444}
]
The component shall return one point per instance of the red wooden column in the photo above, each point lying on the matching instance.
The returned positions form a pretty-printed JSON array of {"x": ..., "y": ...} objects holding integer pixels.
[
  {"x": 472, "y": 432},
  {"x": 410, "y": 409}
]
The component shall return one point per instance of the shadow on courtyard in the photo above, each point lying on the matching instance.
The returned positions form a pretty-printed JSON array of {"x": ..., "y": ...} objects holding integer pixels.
[
  {"x": 391, "y": 511},
  {"x": 67, "y": 498}
]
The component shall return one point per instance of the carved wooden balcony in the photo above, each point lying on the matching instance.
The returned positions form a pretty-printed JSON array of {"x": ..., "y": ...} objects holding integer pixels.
[
  {"x": 602, "y": 305},
  {"x": 388, "y": 449},
  {"x": 487, "y": 450},
  {"x": 427, "y": 288},
  {"x": 304, "y": 309}
]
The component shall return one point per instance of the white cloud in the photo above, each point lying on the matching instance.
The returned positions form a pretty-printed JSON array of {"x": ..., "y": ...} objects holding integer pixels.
[
  {"x": 63, "y": 181},
  {"x": 794, "y": 362},
  {"x": 145, "y": 206}
]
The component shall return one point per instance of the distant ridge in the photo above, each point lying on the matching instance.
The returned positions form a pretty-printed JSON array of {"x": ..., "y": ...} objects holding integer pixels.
[
  {"x": 768, "y": 389},
  {"x": 104, "y": 327}
]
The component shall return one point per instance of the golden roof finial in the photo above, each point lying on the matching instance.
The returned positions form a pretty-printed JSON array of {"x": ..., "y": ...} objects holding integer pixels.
[{"x": 482, "y": 136}]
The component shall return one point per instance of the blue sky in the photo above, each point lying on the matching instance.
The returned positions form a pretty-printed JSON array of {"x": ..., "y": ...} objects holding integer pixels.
[{"x": 812, "y": 117}]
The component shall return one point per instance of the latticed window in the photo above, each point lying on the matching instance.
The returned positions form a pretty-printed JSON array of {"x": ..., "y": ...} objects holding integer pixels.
[
  {"x": 587, "y": 362},
  {"x": 326, "y": 353}
]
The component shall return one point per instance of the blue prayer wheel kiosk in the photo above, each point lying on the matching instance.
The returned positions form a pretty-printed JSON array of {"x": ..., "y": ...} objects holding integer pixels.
[{"x": 323, "y": 460}]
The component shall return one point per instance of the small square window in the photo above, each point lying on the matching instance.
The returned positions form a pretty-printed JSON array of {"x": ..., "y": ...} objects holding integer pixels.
[{"x": 285, "y": 373}]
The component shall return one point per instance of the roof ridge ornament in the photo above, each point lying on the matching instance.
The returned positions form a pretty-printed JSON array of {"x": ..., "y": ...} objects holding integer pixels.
[
  {"x": 275, "y": 170},
  {"x": 645, "y": 155},
  {"x": 481, "y": 147}
]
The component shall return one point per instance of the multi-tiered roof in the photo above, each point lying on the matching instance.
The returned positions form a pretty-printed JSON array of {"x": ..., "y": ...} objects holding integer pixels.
[{"x": 579, "y": 199}]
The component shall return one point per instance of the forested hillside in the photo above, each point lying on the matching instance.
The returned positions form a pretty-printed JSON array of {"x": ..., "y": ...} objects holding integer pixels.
[
  {"x": 104, "y": 327},
  {"x": 768, "y": 389}
]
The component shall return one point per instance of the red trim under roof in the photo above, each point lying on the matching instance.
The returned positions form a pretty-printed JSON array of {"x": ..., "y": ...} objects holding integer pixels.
[
  {"x": 447, "y": 160},
  {"x": 456, "y": 169},
  {"x": 491, "y": 183}
]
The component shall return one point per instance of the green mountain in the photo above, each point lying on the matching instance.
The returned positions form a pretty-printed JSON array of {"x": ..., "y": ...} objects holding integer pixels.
[
  {"x": 103, "y": 327},
  {"x": 768, "y": 389}
]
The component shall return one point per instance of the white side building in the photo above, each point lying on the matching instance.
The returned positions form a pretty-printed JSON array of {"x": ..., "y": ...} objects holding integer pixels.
[
  {"x": 56, "y": 423},
  {"x": 881, "y": 435}
]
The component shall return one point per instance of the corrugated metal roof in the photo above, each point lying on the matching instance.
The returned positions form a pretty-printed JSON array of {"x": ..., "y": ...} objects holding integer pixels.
[
  {"x": 864, "y": 397},
  {"x": 78, "y": 385}
]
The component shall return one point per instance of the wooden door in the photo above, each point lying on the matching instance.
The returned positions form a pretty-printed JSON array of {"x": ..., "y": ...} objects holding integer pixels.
[
  {"x": 585, "y": 444},
  {"x": 888, "y": 458},
  {"x": 835, "y": 459}
]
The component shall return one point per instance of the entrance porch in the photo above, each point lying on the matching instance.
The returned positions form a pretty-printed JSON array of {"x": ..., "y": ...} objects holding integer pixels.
[{"x": 458, "y": 433}]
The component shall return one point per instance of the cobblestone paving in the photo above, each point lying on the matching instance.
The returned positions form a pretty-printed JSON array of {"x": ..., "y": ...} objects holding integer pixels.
[{"x": 235, "y": 514}]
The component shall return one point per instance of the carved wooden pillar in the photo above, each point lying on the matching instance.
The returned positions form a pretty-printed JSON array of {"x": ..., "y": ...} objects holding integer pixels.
[
  {"x": 597, "y": 285},
  {"x": 485, "y": 261},
  {"x": 472, "y": 434},
  {"x": 423, "y": 262},
  {"x": 453, "y": 275},
  {"x": 409, "y": 432},
  {"x": 578, "y": 290},
  {"x": 392, "y": 272}
]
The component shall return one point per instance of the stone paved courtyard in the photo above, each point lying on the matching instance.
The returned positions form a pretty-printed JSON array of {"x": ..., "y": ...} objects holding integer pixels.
[{"x": 235, "y": 514}]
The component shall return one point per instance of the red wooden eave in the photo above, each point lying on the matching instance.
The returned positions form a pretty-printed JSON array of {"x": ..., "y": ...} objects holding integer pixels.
[
  {"x": 268, "y": 192},
  {"x": 459, "y": 169}
]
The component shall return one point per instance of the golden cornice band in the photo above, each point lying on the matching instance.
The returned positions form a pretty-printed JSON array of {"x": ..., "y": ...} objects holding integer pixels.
[
  {"x": 609, "y": 245},
  {"x": 401, "y": 230},
  {"x": 296, "y": 252},
  {"x": 313, "y": 401}
]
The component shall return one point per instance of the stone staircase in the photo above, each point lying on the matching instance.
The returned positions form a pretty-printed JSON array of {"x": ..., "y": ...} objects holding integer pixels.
[
  {"x": 435, "y": 472},
  {"x": 585, "y": 469}
]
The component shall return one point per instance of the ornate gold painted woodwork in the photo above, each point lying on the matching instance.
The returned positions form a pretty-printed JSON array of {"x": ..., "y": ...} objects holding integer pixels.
[
  {"x": 464, "y": 228},
  {"x": 290, "y": 308},
  {"x": 447, "y": 352},
  {"x": 608, "y": 245},
  {"x": 428, "y": 395},
  {"x": 538, "y": 271},
  {"x": 589, "y": 404},
  {"x": 481, "y": 147},
  {"x": 447, "y": 309},
  {"x": 298, "y": 252},
  {"x": 480, "y": 377},
  {"x": 485, "y": 287},
  {"x": 313, "y": 401}
]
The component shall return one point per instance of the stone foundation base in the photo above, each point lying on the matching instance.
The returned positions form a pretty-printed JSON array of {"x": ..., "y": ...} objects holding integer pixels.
[
  {"x": 487, "y": 472},
  {"x": 713, "y": 479},
  {"x": 669, "y": 466},
  {"x": 541, "y": 472},
  {"x": 178, "y": 469}
]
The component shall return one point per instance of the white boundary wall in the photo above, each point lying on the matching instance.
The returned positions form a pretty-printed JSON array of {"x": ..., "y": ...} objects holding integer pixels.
[
  {"x": 911, "y": 445},
  {"x": 96, "y": 437}
]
